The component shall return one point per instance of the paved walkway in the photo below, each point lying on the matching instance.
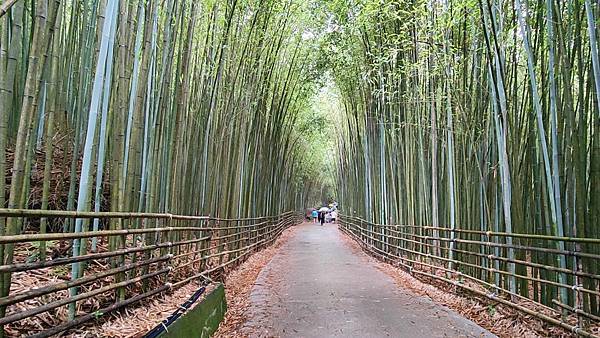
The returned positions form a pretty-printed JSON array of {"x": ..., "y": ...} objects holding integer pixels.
[{"x": 316, "y": 286}]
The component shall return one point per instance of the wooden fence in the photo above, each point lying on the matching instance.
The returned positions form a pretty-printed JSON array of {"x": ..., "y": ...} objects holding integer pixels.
[
  {"x": 508, "y": 268},
  {"x": 145, "y": 256}
]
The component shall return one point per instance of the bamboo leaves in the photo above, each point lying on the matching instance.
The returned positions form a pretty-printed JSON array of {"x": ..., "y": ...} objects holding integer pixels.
[
  {"x": 142, "y": 100},
  {"x": 514, "y": 105}
]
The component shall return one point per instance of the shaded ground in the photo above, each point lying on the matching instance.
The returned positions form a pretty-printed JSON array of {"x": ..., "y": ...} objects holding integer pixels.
[
  {"x": 239, "y": 283},
  {"x": 316, "y": 286}
]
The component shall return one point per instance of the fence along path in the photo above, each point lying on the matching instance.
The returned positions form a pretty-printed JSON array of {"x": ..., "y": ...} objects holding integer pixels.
[
  {"x": 476, "y": 261},
  {"x": 148, "y": 255},
  {"x": 318, "y": 285}
]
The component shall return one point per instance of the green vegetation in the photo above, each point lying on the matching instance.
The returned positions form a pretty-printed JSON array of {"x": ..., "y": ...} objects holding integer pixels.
[
  {"x": 480, "y": 115},
  {"x": 465, "y": 114},
  {"x": 180, "y": 106},
  {"x": 317, "y": 135}
]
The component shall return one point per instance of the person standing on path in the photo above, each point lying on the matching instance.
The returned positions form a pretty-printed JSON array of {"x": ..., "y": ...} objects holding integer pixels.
[
  {"x": 298, "y": 295},
  {"x": 315, "y": 215},
  {"x": 328, "y": 217}
]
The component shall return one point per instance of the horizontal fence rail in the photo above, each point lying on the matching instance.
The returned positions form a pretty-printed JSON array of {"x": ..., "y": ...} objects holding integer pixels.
[
  {"x": 140, "y": 255},
  {"x": 517, "y": 270}
]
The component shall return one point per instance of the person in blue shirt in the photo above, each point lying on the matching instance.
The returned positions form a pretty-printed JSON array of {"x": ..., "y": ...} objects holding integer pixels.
[{"x": 314, "y": 215}]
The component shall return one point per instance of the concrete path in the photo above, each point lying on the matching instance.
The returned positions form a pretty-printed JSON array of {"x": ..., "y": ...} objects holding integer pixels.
[{"x": 316, "y": 286}]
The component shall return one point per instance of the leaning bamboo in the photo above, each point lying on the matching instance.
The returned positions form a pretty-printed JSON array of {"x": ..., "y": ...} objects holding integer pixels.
[
  {"x": 88, "y": 234},
  {"x": 254, "y": 237},
  {"x": 37, "y": 292},
  {"x": 575, "y": 310},
  {"x": 82, "y": 258},
  {"x": 5, "y": 7},
  {"x": 82, "y": 319},
  {"x": 82, "y": 296}
]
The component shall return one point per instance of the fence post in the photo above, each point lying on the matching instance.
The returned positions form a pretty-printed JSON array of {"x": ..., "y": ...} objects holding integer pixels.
[
  {"x": 362, "y": 235},
  {"x": 169, "y": 236},
  {"x": 582, "y": 322},
  {"x": 363, "y": 228}
]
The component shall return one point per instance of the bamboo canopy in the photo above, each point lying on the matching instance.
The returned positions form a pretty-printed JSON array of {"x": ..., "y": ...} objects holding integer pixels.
[
  {"x": 143, "y": 135},
  {"x": 470, "y": 129},
  {"x": 120, "y": 120}
]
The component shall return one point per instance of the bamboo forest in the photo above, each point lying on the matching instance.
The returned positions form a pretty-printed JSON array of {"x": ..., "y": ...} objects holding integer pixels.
[{"x": 167, "y": 152}]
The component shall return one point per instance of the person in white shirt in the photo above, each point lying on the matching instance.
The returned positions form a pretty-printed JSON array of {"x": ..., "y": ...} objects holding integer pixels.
[{"x": 333, "y": 216}]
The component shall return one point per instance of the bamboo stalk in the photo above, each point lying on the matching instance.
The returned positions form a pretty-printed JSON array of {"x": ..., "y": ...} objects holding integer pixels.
[
  {"x": 83, "y": 258},
  {"x": 5, "y": 7},
  {"x": 577, "y": 311},
  {"x": 492, "y": 233},
  {"x": 85, "y": 318},
  {"x": 37, "y": 292},
  {"x": 371, "y": 235},
  {"x": 46, "y": 307},
  {"x": 492, "y": 296}
]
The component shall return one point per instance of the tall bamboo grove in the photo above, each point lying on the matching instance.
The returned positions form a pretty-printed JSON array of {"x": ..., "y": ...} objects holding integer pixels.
[
  {"x": 179, "y": 106},
  {"x": 481, "y": 115}
]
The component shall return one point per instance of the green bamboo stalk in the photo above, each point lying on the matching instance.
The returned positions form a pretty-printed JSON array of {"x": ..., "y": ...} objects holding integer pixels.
[{"x": 102, "y": 68}]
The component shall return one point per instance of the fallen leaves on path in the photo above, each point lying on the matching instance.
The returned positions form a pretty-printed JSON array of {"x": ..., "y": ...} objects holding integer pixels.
[
  {"x": 239, "y": 283},
  {"x": 501, "y": 320}
]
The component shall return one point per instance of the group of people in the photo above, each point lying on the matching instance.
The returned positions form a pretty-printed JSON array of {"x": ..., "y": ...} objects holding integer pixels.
[{"x": 325, "y": 214}]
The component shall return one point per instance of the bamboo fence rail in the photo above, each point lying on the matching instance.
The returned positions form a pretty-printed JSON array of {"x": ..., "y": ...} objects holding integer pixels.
[
  {"x": 147, "y": 261},
  {"x": 482, "y": 260}
]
